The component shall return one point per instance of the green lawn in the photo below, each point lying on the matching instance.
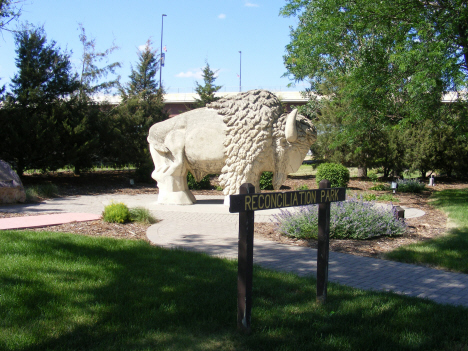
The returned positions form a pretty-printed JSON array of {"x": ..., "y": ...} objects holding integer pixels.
[
  {"x": 72, "y": 292},
  {"x": 449, "y": 251}
]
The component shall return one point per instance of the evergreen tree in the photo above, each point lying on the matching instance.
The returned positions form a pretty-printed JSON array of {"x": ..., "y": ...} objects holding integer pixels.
[
  {"x": 142, "y": 106},
  {"x": 143, "y": 83},
  {"x": 87, "y": 131},
  {"x": 207, "y": 91},
  {"x": 41, "y": 96}
]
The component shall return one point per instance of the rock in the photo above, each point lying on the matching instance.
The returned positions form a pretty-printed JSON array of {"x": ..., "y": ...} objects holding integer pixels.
[{"x": 11, "y": 187}]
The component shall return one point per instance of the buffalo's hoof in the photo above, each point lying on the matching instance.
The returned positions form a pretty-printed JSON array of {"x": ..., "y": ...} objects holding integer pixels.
[{"x": 176, "y": 198}]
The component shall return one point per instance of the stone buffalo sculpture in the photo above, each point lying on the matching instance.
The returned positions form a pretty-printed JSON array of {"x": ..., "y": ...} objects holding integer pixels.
[{"x": 238, "y": 137}]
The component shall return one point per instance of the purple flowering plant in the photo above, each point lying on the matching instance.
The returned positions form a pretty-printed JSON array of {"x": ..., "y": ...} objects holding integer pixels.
[{"x": 351, "y": 219}]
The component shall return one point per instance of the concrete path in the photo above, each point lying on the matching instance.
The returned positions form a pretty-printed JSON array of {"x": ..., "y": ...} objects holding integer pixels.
[
  {"x": 45, "y": 220},
  {"x": 209, "y": 227}
]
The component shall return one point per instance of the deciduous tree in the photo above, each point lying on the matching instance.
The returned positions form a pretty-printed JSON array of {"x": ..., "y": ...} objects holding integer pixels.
[
  {"x": 88, "y": 130},
  {"x": 390, "y": 62},
  {"x": 10, "y": 10}
]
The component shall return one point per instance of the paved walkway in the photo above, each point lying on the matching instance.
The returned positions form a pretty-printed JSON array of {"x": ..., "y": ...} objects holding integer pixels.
[{"x": 208, "y": 227}]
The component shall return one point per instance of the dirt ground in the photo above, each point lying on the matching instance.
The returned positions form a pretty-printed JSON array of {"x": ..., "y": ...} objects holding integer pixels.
[{"x": 432, "y": 224}]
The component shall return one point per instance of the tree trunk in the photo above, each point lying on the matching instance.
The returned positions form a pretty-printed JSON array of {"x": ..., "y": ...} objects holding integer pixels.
[
  {"x": 386, "y": 172},
  {"x": 362, "y": 172}
]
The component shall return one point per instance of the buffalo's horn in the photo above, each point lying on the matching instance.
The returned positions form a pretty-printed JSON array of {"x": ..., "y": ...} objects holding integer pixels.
[{"x": 291, "y": 130}]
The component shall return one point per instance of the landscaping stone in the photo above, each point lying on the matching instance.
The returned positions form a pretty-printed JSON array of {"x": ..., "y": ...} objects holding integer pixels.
[{"x": 11, "y": 187}]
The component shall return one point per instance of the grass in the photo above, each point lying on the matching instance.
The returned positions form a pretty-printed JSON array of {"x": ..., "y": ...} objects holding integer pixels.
[
  {"x": 379, "y": 198},
  {"x": 70, "y": 292},
  {"x": 47, "y": 190},
  {"x": 142, "y": 215},
  {"x": 449, "y": 251}
]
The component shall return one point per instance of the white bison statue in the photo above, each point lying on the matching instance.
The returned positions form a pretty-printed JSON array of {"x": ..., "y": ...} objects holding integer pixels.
[{"x": 238, "y": 137}]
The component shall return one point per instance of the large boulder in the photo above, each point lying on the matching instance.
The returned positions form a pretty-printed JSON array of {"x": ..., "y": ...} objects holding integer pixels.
[{"x": 11, "y": 187}]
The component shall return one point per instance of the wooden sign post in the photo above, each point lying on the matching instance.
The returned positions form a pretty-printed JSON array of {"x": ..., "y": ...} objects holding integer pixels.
[
  {"x": 323, "y": 243},
  {"x": 246, "y": 203},
  {"x": 245, "y": 263}
]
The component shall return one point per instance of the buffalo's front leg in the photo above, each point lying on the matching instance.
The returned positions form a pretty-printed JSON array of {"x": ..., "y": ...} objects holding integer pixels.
[{"x": 171, "y": 172}]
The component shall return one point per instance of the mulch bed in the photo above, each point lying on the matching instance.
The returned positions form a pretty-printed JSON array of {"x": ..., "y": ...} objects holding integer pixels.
[{"x": 432, "y": 224}]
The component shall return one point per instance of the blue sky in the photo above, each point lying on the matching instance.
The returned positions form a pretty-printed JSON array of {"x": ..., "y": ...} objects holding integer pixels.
[{"x": 195, "y": 31}]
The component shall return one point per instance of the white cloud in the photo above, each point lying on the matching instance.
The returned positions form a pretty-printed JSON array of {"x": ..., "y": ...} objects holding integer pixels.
[
  {"x": 144, "y": 46},
  {"x": 222, "y": 16},
  {"x": 196, "y": 73},
  {"x": 249, "y": 4}
]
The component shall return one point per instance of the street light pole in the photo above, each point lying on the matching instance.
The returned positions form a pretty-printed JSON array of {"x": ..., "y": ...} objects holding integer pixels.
[
  {"x": 161, "y": 55},
  {"x": 240, "y": 71}
]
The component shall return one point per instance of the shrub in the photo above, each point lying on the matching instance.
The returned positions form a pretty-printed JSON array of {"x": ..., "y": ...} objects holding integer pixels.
[
  {"x": 116, "y": 213},
  {"x": 45, "y": 191},
  {"x": 202, "y": 184},
  {"x": 302, "y": 187},
  {"x": 372, "y": 175},
  {"x": 143, "y": 172},
  {"x": 266, "y": 181},
  {"x": 141, "y": 215},
  {"x": 410, "y": 186},
  {"x": 351, "y": 219},
  {"x": 380, "y": 187},
  {"x": 337, "y": 174}
]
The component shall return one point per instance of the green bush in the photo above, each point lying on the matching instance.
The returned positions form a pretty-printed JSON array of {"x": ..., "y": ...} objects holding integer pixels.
[
  {"x": 410, "y": 186},
  {"x": 141, "y": 215},
  {"x": 202, "y": 184},
  {"x": 372, "y": 175},
  {"x": 143, "y": 172},
  {"x": 337, "y": 174},
  {"x": 302, "y": 187},
  {"x": 380, "y": 187},
  {"x": 266, "y": 181},
  {"x": 116, "y": 213}
]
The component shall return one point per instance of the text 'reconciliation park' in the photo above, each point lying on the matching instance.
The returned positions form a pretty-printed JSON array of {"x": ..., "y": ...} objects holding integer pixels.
[{"x": 256, "y": 202}]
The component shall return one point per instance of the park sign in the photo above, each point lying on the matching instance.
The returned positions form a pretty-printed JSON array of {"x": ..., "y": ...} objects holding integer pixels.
[
  {"x": 246, "y": 203},
  {"x": 267, "y": 201}
]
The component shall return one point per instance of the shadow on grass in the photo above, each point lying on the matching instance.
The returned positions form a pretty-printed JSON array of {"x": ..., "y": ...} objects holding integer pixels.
[
  {"x": 450, "y": 198},
  {"x": 449, "y": 251},
  {"x": 66, "y": 292}
]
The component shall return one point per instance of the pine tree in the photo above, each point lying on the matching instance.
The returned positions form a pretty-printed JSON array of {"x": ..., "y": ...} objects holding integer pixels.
[
  {"x": 40, "y": 99},
  {"x": 142, "y": 106},
  {"x": 143, "y": 81},
  {"x": 207, "y": 91}
]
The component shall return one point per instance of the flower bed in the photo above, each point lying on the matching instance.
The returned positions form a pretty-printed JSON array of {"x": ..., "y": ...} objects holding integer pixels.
[{"x": 351, "y": 219}]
